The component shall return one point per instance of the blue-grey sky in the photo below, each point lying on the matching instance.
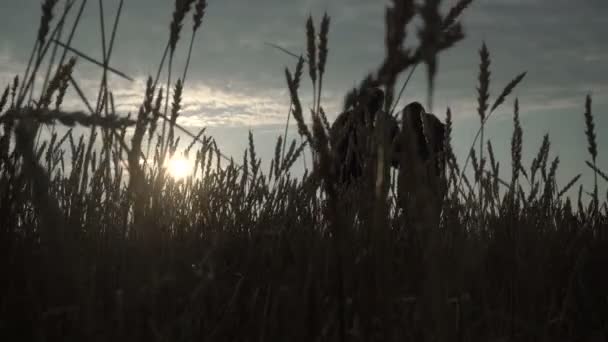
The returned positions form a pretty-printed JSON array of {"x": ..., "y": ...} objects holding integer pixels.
[{"x": 236, "y": 83}]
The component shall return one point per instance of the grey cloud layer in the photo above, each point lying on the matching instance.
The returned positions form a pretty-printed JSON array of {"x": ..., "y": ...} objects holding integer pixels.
[
  {"x": 237, "y": 82},
  {"x": 559, "y": 42}
]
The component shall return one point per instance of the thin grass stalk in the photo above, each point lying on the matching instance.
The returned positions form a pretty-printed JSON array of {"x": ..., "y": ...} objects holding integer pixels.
[
  {"x": 161, "y": 64},
  {"x": 29, "y": 79},
  {"x": 47, "y": 74},
  {"x": 29, "y": 65},
  {"x": 506, "y": 91},
  {"x": 597, "y": 170},
  {"x": 181, "y": 8},
  {"x": 102, "y": 94},
  {"x": 107, "y": 61},
  {"x": 43, "y": 30},
  {"x": 101, "y": 97},
  {"x": 296, "y": 81},
  {"x": 430, "y": 37},
  {"x": 199, "y": 13},
  {"x": 190, "y": 46},
  {"x": 568, "y": 186},
  {"x": 164, "y": 143},
  {"x": 405, "y": 83},
  {"x": 73, "y": 31},
  {"x": 104, "y": 55}
]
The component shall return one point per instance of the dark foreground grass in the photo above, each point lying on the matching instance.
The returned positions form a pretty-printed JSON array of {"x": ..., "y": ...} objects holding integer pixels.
[{"x": 98, "y": 242}]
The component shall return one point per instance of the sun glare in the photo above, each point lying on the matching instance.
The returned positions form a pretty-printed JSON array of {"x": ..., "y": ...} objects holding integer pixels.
[{"x": 179, "y": 168}]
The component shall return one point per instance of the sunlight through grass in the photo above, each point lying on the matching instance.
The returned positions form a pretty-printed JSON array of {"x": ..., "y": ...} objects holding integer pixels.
[{"x": 180, "y": 168}]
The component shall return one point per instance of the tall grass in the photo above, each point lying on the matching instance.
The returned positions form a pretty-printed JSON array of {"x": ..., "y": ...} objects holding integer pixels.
[{"x": 100, "y": 243}]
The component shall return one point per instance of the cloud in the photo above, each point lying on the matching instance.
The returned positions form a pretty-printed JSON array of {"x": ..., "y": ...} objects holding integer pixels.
[{"x": 235, "y": 79}]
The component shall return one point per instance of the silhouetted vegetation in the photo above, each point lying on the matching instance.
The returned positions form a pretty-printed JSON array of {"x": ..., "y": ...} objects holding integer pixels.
[{"x": 99, "y": 242}]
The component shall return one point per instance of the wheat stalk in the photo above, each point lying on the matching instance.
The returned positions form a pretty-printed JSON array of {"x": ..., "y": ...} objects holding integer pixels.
[
  {"x": 297, "y": 107},
  {"x": 455, "y": 12},
  {"x": 592, "y": 144},
  {"x": 66, "y": 118},
  {"x": 323, "y": 51},
  {"x": 199, "y": 13},
  {"x": 482, "y": 102},
  {"x": 3, "y": 99},
  {"x": 516, "y": 145}
]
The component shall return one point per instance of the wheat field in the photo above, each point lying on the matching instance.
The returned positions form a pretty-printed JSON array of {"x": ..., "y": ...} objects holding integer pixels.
[{"x": 99, "y": 241}]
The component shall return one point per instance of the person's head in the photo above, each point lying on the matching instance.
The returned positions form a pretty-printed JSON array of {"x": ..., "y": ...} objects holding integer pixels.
[
  {"x": 350, "y": 130},
  {"x": 423, "y": 137},
  {"x": 429, "y": 132},
  {"x": 372, "y": 99}
]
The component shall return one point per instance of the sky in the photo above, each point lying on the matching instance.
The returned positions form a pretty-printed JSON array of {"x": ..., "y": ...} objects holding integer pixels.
[{"x": 236, "y": 82}]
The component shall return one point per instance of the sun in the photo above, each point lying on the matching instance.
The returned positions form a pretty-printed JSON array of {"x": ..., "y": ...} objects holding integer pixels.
[{"x": 179, "y": 168}]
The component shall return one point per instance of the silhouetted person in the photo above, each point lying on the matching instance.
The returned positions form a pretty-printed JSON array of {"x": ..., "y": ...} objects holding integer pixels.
[
  {"x": 422, "y": 183},
  {"x": 430, "y": 140},
  {"x": 352, "y": 129}
]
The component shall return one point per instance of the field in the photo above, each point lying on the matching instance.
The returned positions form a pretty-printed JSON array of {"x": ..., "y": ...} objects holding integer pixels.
[{"x": 99, "y": 241}]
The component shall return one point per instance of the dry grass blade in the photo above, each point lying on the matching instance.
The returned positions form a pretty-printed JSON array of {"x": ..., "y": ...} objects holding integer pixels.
[
  {"x": 597, "y": 170},
  {"x": 107, "y": 54},
  {"x": 568, "y": 186},
  {"x": 197, "y": 138},
  {"x": 508, "y": 89},
  {"x": 280, "y": 48},
  {"x": 80, "y": 93},
  {"x": 92, "y": 60}
]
